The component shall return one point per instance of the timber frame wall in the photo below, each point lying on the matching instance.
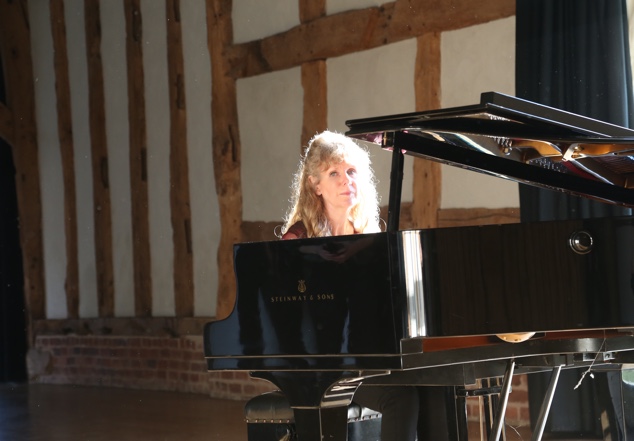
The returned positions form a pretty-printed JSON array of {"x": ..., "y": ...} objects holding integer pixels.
[
  {"x": 308, "y": 45},
  {"x": 121, "y": 351},
  {"x": 124, "y": 351}
]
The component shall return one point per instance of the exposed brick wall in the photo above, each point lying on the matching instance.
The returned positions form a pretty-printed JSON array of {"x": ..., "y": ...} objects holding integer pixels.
[
  {"x": 175, "y": 364},
  {"x": 155, "y": 363}
]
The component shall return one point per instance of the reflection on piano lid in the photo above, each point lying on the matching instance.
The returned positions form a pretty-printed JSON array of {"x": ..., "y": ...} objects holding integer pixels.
[{"x": 518, "y": 140}]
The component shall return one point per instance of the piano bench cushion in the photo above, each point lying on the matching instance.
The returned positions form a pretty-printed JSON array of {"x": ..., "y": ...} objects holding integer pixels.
[
  {"x": 267, "y": 408},
  {"x": 273, "y": 407}
]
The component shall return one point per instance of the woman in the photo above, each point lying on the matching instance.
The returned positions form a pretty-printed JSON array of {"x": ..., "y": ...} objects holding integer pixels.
[
  {"x": 333, "y": 190},
  {"x": 334, "y": 194}
]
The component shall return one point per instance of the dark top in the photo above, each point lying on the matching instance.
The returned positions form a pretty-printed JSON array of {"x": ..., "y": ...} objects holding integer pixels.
[{"x": 296, "y": 231}]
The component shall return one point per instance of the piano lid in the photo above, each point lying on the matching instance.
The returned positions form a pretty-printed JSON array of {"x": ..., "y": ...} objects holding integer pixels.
[{"x": 518, "y": 140}]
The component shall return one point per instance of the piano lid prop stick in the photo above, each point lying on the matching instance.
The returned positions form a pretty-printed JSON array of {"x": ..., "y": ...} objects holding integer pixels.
[{"x": 396, "y": 184}]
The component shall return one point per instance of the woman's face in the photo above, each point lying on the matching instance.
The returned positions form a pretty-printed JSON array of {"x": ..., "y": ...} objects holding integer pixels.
[{"x": 338, "y": 186}]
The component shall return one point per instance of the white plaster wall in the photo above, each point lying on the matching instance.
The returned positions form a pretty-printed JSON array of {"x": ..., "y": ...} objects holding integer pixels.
[
  {"x": 270, "y": 116},
  {"x": 257, "y": 19},
  {"x": 375, "y": 82},
  {"x": 50, "y": 161},
  {"x": 113, "y": 52},
  {"x": 475, "y": 60},
  {"x": 158, "y": 148},
  {"x": 78, "y": 77},
  {"x": 202, "y": 187}
]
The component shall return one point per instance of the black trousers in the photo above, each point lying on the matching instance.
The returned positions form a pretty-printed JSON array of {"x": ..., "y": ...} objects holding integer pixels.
[{"x": 429, "y": 411}]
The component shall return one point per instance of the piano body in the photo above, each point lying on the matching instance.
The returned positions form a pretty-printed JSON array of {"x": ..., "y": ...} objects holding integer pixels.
[{"x": 318, "y": 317}]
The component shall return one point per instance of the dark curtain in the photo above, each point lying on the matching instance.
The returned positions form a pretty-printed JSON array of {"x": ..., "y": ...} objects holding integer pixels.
[
  {"x": 574, "y": 55},
  {"x": 13, "y": 343}
]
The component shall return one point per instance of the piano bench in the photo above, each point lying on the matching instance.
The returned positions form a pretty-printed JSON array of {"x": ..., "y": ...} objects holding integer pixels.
[{"x": 270, "y": 418}]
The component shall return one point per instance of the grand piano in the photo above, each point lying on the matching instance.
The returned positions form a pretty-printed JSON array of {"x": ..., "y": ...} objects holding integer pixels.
[{"x": 447, "y": 306}]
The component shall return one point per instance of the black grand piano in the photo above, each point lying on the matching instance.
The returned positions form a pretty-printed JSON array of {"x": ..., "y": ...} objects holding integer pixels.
[{"x": 448, "y": 306}]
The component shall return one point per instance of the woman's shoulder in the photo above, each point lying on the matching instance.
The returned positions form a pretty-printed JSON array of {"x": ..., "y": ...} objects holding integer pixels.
[{"x": 296, "y": 231}]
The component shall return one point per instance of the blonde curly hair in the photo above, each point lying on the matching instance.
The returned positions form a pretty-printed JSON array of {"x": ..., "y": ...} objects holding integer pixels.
[{"x": 325, "y": 149}]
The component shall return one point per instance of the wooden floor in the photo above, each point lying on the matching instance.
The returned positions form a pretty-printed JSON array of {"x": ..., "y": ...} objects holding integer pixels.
[
  {"x": 39, "y": 412},
  {"x": 74, "y": 413}
]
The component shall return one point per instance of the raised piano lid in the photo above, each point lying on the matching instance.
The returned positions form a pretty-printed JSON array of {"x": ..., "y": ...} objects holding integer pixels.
[{"x": 518, "y": 140}]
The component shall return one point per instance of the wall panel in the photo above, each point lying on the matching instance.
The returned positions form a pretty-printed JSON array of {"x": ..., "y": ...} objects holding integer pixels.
[
  {"x": 51, "y": 178},
  {"x": 158, "y": 126},
  {"x": 477, "y": 59},
  {"x": 117, "y": 127},
  {"x": 374, "y": 82},
  {"x": 270, "y": 114},
  {"x": 204, "y": 202},
  {"x": 255, "y": 20},
  {"x": 77, "y": 71}
]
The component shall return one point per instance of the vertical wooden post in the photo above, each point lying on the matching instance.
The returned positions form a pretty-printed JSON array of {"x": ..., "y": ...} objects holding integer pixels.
[
  {"x": 99, "y": 151},
  {"x": 179, "y": 170},
  {"x": 15, "y": 42},
  {"x": 226, "y": 148},
  {"x": 314, "y": 80},
  {"x": 427, "y": 177},
  {"x": 65, "y": 130},
  {"x": 138, "y": 161}
]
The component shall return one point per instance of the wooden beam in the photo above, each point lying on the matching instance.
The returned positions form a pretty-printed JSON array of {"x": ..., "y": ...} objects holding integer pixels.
[
  {"x": 226, "y": 148},
  {"x": 427, "y": 174},
  {"x": 65, "y": 133},
  {"x": 124, "y": 326},
  {"x": 358, "y": 30},
  {"x": 99, "y": 151},
  {"x": 6, "y": 124},
  {"x": 138, "y": 160},
  {"x": 464, "y": 217},
  {"x": 311, "y": 9},
  {"x": 15, "y": 44},
  {"x": 314, "y": 80},
  {"x": 179, "y": 174}
]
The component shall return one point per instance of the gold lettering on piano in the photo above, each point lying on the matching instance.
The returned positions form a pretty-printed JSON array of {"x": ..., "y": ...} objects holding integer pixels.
[
  {"x": 298, "y": 298},
  {"x": 302, "y": 298}
]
